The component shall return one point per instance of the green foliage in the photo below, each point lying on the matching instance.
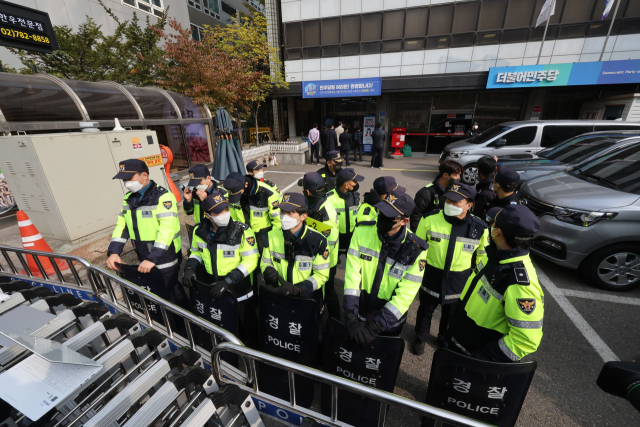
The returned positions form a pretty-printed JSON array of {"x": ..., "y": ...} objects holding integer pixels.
[{"x": 129, "y": 56}]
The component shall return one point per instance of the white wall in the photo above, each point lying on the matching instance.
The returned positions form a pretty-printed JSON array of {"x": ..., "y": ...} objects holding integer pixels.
[
  {"x": 463, "y": 59},
  {"x": 74, "y": 12}
]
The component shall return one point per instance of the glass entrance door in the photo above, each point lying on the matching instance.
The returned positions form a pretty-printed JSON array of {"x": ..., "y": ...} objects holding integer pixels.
[{"x": 446, "y": 127}]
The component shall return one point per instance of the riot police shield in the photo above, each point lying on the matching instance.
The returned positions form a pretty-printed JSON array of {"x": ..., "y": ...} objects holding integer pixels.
[
  {"x": 375, "y": 365},
  {"x": 151, "y": 282},
  {"x": 289, "y": 329},
  {"x": 220, "y": 311},
  {"x": 485, "y": 391}
]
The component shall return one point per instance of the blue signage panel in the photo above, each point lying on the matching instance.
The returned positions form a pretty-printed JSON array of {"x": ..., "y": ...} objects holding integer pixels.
[
  {"x": 342, "y": 88},
  {"x": 574, "y": 74}
]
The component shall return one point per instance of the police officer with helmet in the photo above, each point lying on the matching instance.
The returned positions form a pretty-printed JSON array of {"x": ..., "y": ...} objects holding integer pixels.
[
  {"x": 321, "y": 210},
  {"x": 330, "y": 170},
  {"x": 149, "y": 217},
  {"x": 501, "y": 310},
  {"x": 229, "y": 253},
  {"x": 454, "y": 237},
  {"x": 200, "y": 179},
  {"x": 295, "y": 258},
  {"x": 381, "y": 187},
  {"x": 346, "y": 200},
  {"x": 385, "y": 266}
]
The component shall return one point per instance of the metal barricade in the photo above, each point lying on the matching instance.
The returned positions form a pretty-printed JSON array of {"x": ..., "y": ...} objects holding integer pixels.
[{"x": 336, "y": 383}]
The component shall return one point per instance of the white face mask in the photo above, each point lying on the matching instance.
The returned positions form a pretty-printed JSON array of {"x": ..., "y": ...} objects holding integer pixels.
[
  {"x": 222, "y": 220},
  {"x": 202, "y": 187},
  {"x": 452, "y": 210},
  {"x": 287, "y": 222},
  {"x": 259, "y": 175},
  {"x": 133, "y": 186}
]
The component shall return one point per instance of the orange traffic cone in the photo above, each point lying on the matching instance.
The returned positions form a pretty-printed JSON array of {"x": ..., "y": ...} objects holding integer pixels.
[{"x": 33, "y": 240}]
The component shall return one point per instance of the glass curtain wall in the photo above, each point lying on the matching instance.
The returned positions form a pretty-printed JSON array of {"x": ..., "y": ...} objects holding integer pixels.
[{"x": 350, "y": 111}]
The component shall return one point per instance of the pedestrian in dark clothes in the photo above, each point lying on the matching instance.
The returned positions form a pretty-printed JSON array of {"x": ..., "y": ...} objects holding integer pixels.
[
  {"x": 346, "y": 140},
  {"x": 378, "y": 137}
]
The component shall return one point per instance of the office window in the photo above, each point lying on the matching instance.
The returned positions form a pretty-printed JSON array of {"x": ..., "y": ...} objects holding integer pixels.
[
  {"x": 440, "y": 20},
  {"x": 330, "y": 31},
  {"x": 633, "y": 10},
  {"x": 350, "y": 29},
  {"x": 350, "y": 49},
  {"x": 490, "y": 38},
  {"x": 519, "y": 13},
  {"x": 438, "y": 42},
  {"x": 515, "y": 36},
  {"x": 311, "y": 52},
  {"x": 392, "y": 46},
  {"x": 554, "y": 18},
  {"x": 597, "y": 11},
  {"x": 370, "y": 48},
  {"x": 211, "y": 8},
  {"x": 294, "y": 35},
  {"x": 577, "y": 11},
  {"x": 416, "y": 23},
  {"x": 196, "y": 32},
  {"x": 631, "y": 26},
  {"x": 600, "y": 28},
  {"x": 460, "y": 40},
  {"x": 393, "y": 25},
  {"x": 152, "y": 7},
  {"x": 492, "y": 15},
  {"x": 572, "y": 31},
  {"x": 311, "y": 33},
  {"x": 229, "y": 10},
  {"x": 414, "y": 44},
  {"x": 331, "y": 51},
  {"x": 465, "y": 17},
  {"x": 294, "y": 54},
  {"x": 371, "y": 29},
  {"x": 536, "y": 33}
]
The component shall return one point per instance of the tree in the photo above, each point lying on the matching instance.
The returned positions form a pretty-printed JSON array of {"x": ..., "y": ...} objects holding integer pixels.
[{"x": 129, "y": 56}]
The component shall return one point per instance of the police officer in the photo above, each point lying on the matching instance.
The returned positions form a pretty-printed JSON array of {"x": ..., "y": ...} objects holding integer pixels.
[
  {"x": 330, "y": 171},
  {"x": 253, "y": 202},
  {"x": 385, "y": 265},
  {"x": 504, "y": 185},
  {"x": 429, "y": 197},
  {"x": 381, "y": 187},
  {"x": 484, "y": 187},
  {"x": 229, "y": 253},
  {"x": 255, "y": 169},
  {"x": 200, "y": 178},
  {"x": 500, "y": 313},
  {"x": 454, "y": 235},
  {"x": 149, "y": 217},
  {"x": 346, "y": 200},
  {"x": 295, "y": 258},
  {"x": 322, "y": 210},
  {"x": 473, "y": 131}
]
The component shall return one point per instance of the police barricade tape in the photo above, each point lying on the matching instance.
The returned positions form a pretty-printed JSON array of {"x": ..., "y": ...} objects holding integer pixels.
[
  {"x": 485, "y": 391},
  {"x": 375, "y": 365},
  {"x": 289, "y": 329}
]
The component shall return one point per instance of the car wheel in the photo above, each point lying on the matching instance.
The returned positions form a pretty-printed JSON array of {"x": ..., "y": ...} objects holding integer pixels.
[
  {"x": 616, "y": 268},
  {"x": 469, "y": 174}
]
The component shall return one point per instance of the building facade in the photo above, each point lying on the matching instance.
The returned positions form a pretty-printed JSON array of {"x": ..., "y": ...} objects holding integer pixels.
[{"x": 433, "y": 59}]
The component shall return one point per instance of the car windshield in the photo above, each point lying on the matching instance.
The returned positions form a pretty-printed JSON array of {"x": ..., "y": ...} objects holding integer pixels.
[
  {"x": 488, "y": 134},
  {"x": 619, "y": 170},
  {"x": 580, "y": 148}
]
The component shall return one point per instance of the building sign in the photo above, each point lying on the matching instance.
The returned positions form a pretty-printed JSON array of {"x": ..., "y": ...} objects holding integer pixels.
[
  {"x": 342, "y": 88},
  {"x": 574, "y": 74},
  {"x": 25, "y": 28}
]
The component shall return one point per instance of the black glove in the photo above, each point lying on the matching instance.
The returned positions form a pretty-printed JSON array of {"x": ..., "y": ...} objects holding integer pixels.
[
  {"x": 286, "y": 288},
  {"x": 270, "y": 276},
  {"x": 353, "y": 325},
  {"x": 188, "y": 274},
  {"x": 367, "y": 333},
  {"x": 218, "y": 289},
  {"x": 372, "y": 198}
]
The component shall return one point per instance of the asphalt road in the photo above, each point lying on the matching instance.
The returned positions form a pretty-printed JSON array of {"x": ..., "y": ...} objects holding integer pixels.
[{"x": 583, "y": 327}]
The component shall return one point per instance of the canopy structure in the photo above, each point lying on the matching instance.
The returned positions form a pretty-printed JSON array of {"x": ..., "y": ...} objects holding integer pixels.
[{"x": 42, "y": 103}]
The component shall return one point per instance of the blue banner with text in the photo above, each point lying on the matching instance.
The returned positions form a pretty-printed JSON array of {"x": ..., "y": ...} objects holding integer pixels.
[{"x": 342, "y": 88}]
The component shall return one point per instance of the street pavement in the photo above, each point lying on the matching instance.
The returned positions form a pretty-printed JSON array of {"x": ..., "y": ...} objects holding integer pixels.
[{"x": 583, "y": 327}]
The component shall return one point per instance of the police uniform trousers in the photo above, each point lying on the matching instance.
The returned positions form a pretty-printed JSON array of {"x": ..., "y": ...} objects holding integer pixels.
[
  {"x": 331, "y": 296},
  {"x": 428, "y": 305},
  {"x": 171, "y": 274}
]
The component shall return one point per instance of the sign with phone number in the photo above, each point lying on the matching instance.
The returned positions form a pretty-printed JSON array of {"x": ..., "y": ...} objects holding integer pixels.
[{"x": 25, "y": 28}]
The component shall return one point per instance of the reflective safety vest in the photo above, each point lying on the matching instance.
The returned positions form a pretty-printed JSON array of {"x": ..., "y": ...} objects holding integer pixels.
[
  {"x": 231, "y": 252},
  {"x": 367, "y": 214},
  {"x": 327, "y": 214},
  {"x": 502, "y": 305},
  {"x": 302, "y": 260},
  {"x": 347, "y": 210},
  {"x": 382, "y": 280},
  {"x": 261, "y": 207},
  {"x": 451, "y": 250},
  {"x": 330, "y": 178},
  {"x": 193, "y": 207},
  {"x": 152, "y": 224}
]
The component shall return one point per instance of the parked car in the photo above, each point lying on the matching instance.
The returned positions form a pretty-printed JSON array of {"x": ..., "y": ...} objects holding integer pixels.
[
  {"x": 521, "y": 138},
  {"x": 590, "y": 218},
  {"x": 572, "y": 153}
]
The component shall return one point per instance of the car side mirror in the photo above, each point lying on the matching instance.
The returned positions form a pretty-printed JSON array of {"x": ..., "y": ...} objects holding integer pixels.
[{"x": 501, "y": 143}]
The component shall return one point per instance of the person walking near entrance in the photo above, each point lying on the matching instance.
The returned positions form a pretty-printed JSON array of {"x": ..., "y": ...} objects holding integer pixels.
[
  {"x": 323, "y": 141},
  {"x": 339, "y": 130},
  {"x": 378, "y": 137},
  {"x": 357, "y": 145},
  {"x": 345, "y": 144},
  {"x": 314, "y": 139},
  {"x": 331, "y": 139}
]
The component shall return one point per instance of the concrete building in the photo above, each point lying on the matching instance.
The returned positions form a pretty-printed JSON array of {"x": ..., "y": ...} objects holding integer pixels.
[
  {"x": 194, "y": 13},
  {"x": 436, "y": 66}
]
